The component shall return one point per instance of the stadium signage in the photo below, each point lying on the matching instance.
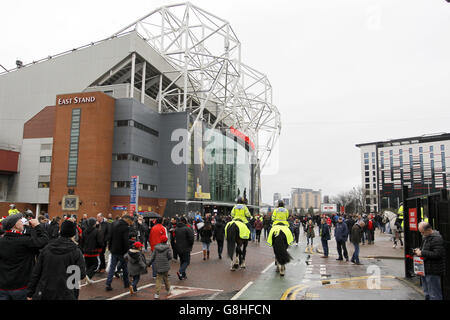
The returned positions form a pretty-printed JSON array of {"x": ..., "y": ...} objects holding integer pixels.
[
  {"x": 242, "y": 136},
  {"x": 76, "y": 100}
]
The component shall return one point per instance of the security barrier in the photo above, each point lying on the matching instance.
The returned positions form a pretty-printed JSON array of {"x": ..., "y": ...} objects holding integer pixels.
[{"x": 435, "y": 207}]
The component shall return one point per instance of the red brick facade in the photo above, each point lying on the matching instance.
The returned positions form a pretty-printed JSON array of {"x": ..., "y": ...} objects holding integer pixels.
[{"x": 94, "y": 153}]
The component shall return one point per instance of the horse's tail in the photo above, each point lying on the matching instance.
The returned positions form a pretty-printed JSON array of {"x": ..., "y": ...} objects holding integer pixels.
[
  {"x": 280, "y": 246},
  {"x": 232, "y": 236}
]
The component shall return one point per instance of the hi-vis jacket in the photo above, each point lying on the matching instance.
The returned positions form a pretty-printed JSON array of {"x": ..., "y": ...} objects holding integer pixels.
[
  {"x": 241, "y": 212},
  {"x": 13, "y": 211},
  {"x": 400, "y": 214},
  {"x": 280, "y": 216}
]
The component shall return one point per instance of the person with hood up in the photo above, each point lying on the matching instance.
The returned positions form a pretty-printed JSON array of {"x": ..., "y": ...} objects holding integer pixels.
[
  {"x": 161, "y": 257},
  {"x": 136, "y": 265},
  {"x": 91, "y": 244},
  {"x": 59, "y": 269}
]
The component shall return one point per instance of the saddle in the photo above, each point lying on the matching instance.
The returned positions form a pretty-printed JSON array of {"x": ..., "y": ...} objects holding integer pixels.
[{"x": 275, "y": 230}]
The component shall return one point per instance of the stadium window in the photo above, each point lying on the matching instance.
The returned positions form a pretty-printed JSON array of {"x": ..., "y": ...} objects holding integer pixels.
[{"x": 46, "y": 159}]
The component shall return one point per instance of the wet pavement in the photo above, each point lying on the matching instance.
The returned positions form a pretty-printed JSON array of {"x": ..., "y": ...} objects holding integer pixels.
[
  {"x": 311, "y": 277},
  {"x": 308, "y": 276}
]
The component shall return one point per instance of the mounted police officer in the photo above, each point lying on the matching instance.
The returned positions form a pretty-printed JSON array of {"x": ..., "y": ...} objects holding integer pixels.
[
  {"x": 280, "y": 215},
  {"x": 241, "y": 213}
]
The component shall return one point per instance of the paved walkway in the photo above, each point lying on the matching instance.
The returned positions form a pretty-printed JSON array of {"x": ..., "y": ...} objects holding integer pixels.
[{"x": 310, "y": 277}]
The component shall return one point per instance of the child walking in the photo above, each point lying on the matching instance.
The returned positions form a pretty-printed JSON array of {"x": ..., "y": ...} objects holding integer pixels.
[
  {"x": 136, "y": 264},
  {"x": 161, "y": 256}
]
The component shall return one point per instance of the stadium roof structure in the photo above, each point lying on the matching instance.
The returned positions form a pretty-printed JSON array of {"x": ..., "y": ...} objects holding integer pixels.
[
  {"x": 179, "y": 57},
  {"x": 216, "y": 85}
]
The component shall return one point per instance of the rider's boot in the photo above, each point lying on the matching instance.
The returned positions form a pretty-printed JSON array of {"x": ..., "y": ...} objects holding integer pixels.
[
  {"x": 207, "y": 254},
  {"x": 204, "y": 254}
]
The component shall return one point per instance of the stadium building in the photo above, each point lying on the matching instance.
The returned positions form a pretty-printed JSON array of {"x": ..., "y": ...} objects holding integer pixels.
[{"x": 166, "y": 99}]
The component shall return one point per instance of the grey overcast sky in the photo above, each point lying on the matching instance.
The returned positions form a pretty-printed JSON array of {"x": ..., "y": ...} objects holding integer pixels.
[{"x": 343, "y": 71}]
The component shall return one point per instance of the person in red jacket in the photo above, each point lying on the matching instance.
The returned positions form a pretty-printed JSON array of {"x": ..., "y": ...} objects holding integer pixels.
[{"x": 155, "y": 238}]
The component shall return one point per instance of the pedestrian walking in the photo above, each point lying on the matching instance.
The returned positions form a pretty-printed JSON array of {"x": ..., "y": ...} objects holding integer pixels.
[
  {"x": 266, "y": 225},
  {"x": 136, "y": 265},
  {"x": 296, "y": 229},
  {"x": 219, "y": 235},
  {"x": 173, "y": 225},
  {"x": 356, "y": 235},
  {"x": 160, "y": 258},
  {"x": 184, "y": 240},
  {"x": 324, "y": 236},
  {"x": 155, "y": 237},
  {"x": 118, "y": 246},
  {"x": 310, "y": 235},
  {"x": 206, "y": 234},
  {"x": 91, "y": 245},
  {"x": 251, "y": 224},
  {"x": 370, "y": 230},
  {"x": 17, "y": 255},
  {"x": 103, "y": 227},
  {"x": 258, "y": 228},
  {"x": 364, "y": 235},
  {"x": 341, "y": 234},
  {"x": 60, "y": 260},
  {"x": 433, "y": 254}
]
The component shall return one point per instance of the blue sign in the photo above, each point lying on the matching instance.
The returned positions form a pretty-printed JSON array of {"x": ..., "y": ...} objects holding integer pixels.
[
  {"x": 133, "y": 190},
  {"x": 134, "y": 194}
]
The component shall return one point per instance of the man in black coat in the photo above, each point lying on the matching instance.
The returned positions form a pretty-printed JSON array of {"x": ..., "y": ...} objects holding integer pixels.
[
  {"x": 104, "y": 228},
  {"x": 59, "y": 269},
  {"x": 184, "y": 240},
  {"x": 433, "y": 254},
  {"x": 53, "y": 229},
  {"x": 17, "y": 255},
  {"x": 118, "y": 246},
  {"x": 91, "y": 245},
  {"x": 219, "y": 235}
]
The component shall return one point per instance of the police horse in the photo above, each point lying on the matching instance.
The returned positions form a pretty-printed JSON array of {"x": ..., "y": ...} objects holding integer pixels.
[
  {"x": 395, "y": 228},
  {"x": 235, "y": 244},
  {"x": 282, "y": 257}
]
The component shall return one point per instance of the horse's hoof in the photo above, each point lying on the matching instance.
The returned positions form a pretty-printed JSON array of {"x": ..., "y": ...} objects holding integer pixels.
[{"x": 242, "y": 266}]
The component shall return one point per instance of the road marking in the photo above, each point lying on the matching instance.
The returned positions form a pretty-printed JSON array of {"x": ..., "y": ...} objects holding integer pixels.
[
  {"x": 95, "y": 281},
  {"x": 237, "y": 295},
  {"x": 217, "y": 291},
  {"x": 127, "y": 293},
  {"x": 267, "y": 268},
  {"x": 193, "y": 254}
]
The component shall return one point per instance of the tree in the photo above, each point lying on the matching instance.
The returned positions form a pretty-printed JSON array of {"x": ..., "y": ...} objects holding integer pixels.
[
  {"x": 311, "y": 210},
  {"x": 302, "y": 211},
  {"x": 352, "y": 201}
]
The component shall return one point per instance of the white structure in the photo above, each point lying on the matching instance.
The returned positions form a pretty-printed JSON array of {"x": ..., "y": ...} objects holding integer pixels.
[
  {"x": 417, "y": 162},
  {"x": 176, "y": 58}
]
